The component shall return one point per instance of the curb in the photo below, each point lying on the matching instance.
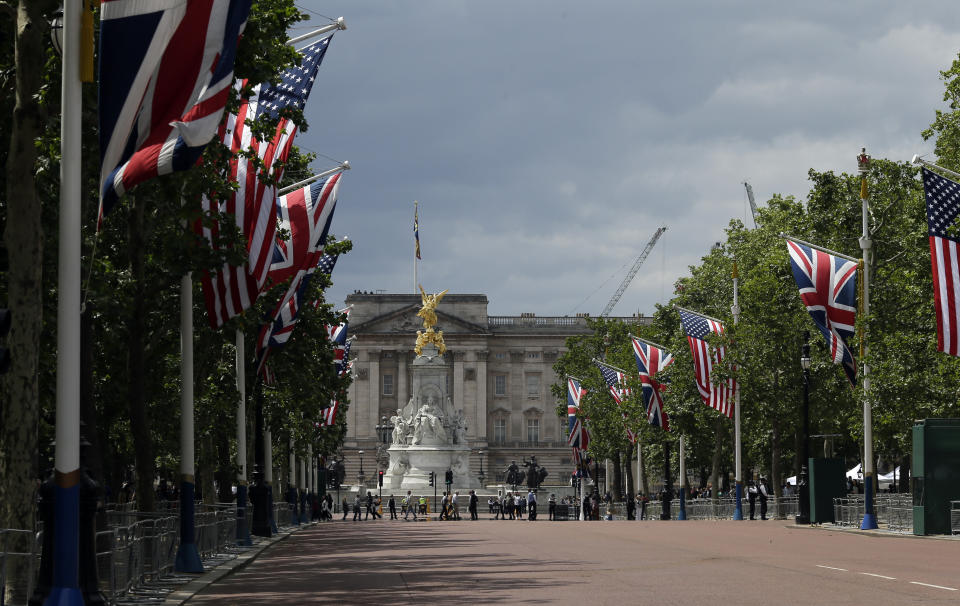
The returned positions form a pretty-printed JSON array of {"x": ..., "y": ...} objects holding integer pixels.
[{"x": 185, "y": 593}]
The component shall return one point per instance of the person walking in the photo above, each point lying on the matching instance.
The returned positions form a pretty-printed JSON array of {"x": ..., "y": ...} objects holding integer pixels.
[
  {"x": 517, "y": 505},
  {"x": 763, "y": 494},
  {"x": 631, "y": 508},
  {"x": 752, "y": 498},
  {"x": 357, "y": 505},
  {"x": 444, "y": 503},
  {"x": 473, "y": 505},
  {"x": 392, "y": 505},
  {"x": 644, "y": 499},
  {"x": 531, "y": 505},
  {"x": 508, "y": 505},
  {"x": 370, "y": 509},
  {"x": 409, "y": 507},
  {"x": 346, "y": 507},
  {"x": 453, "y": 505},
  {"x": 552, "y": 507}
]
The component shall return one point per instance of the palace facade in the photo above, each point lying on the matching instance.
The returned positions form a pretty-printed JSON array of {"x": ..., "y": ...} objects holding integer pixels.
[{"x": 501, "y": 369}]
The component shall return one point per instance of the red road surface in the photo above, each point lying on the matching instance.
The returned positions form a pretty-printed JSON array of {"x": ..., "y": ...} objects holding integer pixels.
[{"x": 592, "y": 563}]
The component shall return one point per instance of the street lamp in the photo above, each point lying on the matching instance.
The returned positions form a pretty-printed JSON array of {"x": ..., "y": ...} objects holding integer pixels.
[
  {"x": 56, "y": 31},
  {"x": 481, "y": 475},
  {"x": 360, "y": 475},
  {"x": 803, "y": 488}
]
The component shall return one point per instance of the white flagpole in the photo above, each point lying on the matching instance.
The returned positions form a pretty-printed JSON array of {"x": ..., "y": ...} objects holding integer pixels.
[
  {"x": 188, "y": 557},
  {"x": 345, "y": 165},
  {"x": 66, "y": 564},
  {"x": 869, "y": 516},
  {"x": 416, "y": 220},
  {"x": 243, "y": 526},
  {"x": 738, "y": 479},
  {"x": 339, "y": 24}
]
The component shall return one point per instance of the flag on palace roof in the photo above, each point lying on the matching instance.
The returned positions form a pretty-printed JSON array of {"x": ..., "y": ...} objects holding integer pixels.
[
  {"x": 650, "y": 361},
  {"x": 828, "y": 288},
  {"x": 719, "y": 396},
  {"x": 943, "y": 206},
  {"x": 166, "y": 69},
  {"x": 233, "y": 288}
]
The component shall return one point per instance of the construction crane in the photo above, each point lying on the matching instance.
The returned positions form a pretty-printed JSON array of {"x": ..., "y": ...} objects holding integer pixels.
[
  {"x": 633, "y": 271},
  {"x": 753, "y": 203}
]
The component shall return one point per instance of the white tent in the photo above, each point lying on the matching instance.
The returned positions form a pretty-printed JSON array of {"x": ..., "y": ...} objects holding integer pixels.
[
  {"x": 887, "y": 479},
  {"x": 792, "y": 480},
  {"x": 855, "y": 473}
]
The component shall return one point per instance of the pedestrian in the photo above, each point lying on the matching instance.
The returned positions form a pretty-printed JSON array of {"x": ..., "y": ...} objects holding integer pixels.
[
  {"x": 423, "y": 506},
  {"x": 473, "y": 505},
  {"x": 357, "y": 506},
  {"x": 518, "y": 503},
  {"x": 552, "y": 506},
  {"x": 752, "y": 498},
  {"x": 377, "y": 507},
  {"x": 586, "y": 508},
  {"x": 490, "y": 504},
  {"x": 370, "y": 509},
  {"x": 531, "y": 506},
  {"x": 631, "y": 507},
  {"x": 644, "y": 499},
  {"x": 444, "y": 502},
  {"x": 508, "y": 504},
  {"x": 409, "y": 507},
  {"x": 763, "y": 495},
  {"x": 346, "y": 507},
  {"x": 453, "y": 505},
  {"x": 393, "y": 508}
]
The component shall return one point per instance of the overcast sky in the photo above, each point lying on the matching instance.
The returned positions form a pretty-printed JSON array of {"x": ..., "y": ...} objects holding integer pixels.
[{"x": 546, "y": 141}]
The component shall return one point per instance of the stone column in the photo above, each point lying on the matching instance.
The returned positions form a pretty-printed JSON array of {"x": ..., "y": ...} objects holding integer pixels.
[
  {"x": 370, "y": 414},
  {"x": 402, "y": 393},
  {"x": 458, "y": 357},
  {"x": 516, "y": 390},
  {"x": 480, "y": 423}
]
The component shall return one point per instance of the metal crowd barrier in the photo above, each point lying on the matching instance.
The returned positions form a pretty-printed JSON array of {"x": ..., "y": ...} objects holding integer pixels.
[
  {"x": 20, "y": 548},
  {"x": 955, "y": 517},
  {"x": 894, "y": 511}
]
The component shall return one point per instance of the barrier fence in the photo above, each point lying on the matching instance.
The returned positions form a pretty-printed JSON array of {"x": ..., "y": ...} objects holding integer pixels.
[
  {"x": 136, "y": 552},
  {"x": 955, "y": 517},
  {"x": 894, "y": 511}
]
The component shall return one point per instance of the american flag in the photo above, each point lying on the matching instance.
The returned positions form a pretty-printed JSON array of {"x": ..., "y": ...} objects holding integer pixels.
[
  {"x": 617, "y": 383},
  {"x": 328, "y": 415},
  {"x": 276, "y": 333},
  {"x": 165, "y": 76},
  {"x": 697, "y": 327},
  {"x": 943, "y": 206},
  {"x": 305, "y": 214},
  {"x": 578, "y": 437},
  {"x": 828, "y": 287},
  {"x": 650, "y": 361},
  {"x": 234, "y": 288}
]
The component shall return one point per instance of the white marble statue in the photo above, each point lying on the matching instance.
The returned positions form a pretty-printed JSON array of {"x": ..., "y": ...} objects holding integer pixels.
[
  {"x": 400, "y": 429},
  {"x": 459, "y": 428},
  {"x": 428, "y": 424}
]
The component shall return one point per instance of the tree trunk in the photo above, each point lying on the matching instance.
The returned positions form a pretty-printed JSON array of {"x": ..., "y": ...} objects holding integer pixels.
[
  {"x": 775, "y": 466},
  {"x": 628, "y": 469},
  {"x": 23, "y": 238},
  {"x": 617, "y": 476},
  {"x": 225, "y": 469},
  {"x": 715, "y": 466},
  {"x": 208, "y": 460},
  {"x": 136, "y": 394},
  {"x": 644, "y": 485}
]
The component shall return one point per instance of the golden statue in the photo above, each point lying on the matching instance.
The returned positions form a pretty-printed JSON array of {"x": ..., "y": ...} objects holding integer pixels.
[{"x": 428, "y": 313}]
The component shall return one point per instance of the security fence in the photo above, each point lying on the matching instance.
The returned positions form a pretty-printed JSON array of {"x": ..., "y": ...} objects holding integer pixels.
[
  {"x": 136, "y": 552},
  {"x": 894, "y": 511},
  {"x": 955, "y": 517}
]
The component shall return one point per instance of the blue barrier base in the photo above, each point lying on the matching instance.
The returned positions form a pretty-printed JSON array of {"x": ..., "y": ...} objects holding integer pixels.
[
  {"x": 869, "y": 522},
  {"x": 64, "y": 596},
  {"x": 66, "y": 536},
  {"x": 188, "y": 558},
  {"x": 738, "y": 507}
]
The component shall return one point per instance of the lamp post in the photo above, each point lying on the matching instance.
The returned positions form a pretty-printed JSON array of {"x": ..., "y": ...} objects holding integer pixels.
[
  {"x": 481, "y": 475},
  {"x": 869, "y": 521},
  {"x": 360, "y": 475},
  {"x": 803, "y": 488}
]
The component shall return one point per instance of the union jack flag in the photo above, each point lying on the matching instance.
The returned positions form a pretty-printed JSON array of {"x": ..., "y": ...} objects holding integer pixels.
[
  {"x": 578, "y": 437},
  {"x": 165, "y": 75},
  {"x": 269, "y": 379},
  {"x": 276, "y": 333},
  {"x": 305, "y": 214},
  {"x": 234, "y": 288},
  {"x": 943, "y": 206},
  {"x": 617, "y": 383},
  {"x": 720, "y": 396},
  {"x": 650, "y": 361},
  {"x": 828, "y": 287}
]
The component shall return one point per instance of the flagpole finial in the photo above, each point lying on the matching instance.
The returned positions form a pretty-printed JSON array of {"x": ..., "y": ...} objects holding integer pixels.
[{"x": 863, "y": 161}]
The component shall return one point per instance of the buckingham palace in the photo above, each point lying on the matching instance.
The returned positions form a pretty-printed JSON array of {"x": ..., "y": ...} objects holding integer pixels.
[{"x": 501, "y": 369}]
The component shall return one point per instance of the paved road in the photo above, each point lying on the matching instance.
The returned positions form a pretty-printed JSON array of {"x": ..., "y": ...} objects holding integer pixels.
[{"x": 591, "y": 563}]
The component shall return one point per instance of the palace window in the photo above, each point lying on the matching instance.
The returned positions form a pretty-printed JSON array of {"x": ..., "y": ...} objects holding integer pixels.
[
  {"x": 533, "y": 386},
  {"x": 499, "y": 430},
  {"x": 533, "y": 430},
  {"x": 500, "y": 385},
  {"x": 387, "y": 385}
]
